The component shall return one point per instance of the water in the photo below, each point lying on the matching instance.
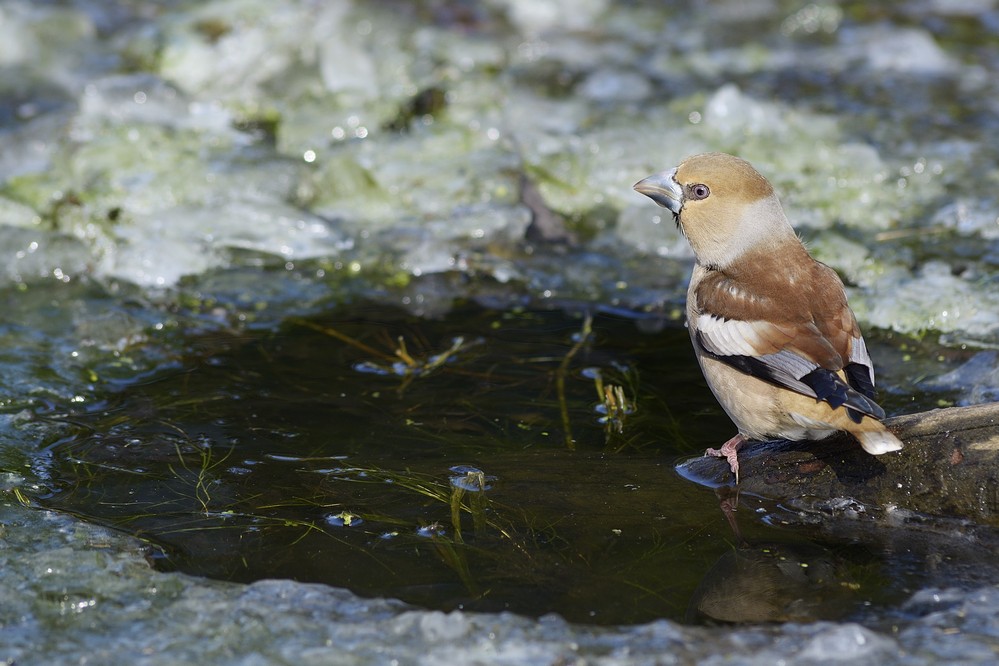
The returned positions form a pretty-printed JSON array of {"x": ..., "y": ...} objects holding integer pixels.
[{"x": 428, "y": 460}]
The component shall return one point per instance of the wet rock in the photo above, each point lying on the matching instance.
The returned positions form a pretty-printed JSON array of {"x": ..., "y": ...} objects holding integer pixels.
[{"x": 949, "y": 467}]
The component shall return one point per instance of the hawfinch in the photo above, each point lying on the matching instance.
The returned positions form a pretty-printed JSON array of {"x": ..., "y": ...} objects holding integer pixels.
[{"x": 774, "y": 336}]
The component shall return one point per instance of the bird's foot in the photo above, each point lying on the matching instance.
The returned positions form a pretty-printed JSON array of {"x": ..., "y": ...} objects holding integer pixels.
[{"x": 730, "y": 452}]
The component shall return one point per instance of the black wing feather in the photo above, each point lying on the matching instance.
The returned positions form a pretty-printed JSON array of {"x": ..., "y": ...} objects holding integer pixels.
[
  {"x": 859, "y": 376},
  {"x": 819, "y": 383}
]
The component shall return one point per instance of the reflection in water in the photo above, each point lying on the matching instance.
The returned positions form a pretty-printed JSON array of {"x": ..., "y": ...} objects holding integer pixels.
[
  {"x": 775, "y": 583},
  {"x": 772, "y": 582}
]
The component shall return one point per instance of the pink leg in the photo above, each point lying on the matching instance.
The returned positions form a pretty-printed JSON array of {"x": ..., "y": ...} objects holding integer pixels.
[
  {"x": 729, "y": 451},
  {"x": 729, "y": 504}
]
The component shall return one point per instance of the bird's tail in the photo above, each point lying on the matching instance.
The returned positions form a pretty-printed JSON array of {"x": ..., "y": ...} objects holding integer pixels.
[{"x": 878, "y": 441}]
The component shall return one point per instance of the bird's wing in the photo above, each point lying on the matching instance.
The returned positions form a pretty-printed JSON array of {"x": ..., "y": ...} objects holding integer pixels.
[{"x": 801, "y": 340}]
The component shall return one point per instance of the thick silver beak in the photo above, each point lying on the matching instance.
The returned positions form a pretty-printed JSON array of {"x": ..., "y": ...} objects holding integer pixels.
[{"x": 663, "y": 189}]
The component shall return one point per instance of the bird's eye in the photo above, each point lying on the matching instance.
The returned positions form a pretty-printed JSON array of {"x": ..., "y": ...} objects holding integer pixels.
[{"x": 698, "y": 191}]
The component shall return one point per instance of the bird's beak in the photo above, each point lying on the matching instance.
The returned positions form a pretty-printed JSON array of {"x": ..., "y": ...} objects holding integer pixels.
[{"x": 663, "y": 189}]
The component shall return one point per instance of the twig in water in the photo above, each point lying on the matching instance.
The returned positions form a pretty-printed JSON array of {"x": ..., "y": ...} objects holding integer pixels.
[{"x": 563, "y": 369}]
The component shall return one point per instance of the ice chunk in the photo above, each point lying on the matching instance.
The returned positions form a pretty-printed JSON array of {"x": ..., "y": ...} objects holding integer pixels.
[
  {"x": 344, "y": 64},
  {"x": 977, "y": 379},
  {"x": 534, "y": 17},
  {"x": 933, "y": 599},
  {"x": 894, "y": 49},
  {"x": 847, "y": 643},
  {"x": 28, "y": 254},
  {"x": 31, "y": 148},
  {"x": 17, "y": 214},
  {"x": 439, "y": 246},
  {"x": 437, "y": 626},
  {"x": 156, "y": 251},
  {"x": 424, "y": 176},
  {"x": 651, "y": 231},
  {"x": 27, "y": 30},
  {"x": 970, "y": 216},
  {"x": 231, "y": 49},
  {"x": 934, "y": 299},
  {"x": 731, "y": 112},
  {"x": 851, "y": 259},
  {"x": 144, "y": 98},
  {"x": 614, "y": 85}
]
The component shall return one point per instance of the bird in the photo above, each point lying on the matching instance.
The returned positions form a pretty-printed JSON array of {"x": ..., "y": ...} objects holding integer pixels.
[{"x": 773, "y": 333}]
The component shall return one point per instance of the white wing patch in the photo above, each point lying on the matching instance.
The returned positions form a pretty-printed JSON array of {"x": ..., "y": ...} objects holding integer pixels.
[
  {"x": 730, "y": 337},
  {"x": 733, "y": 338}
]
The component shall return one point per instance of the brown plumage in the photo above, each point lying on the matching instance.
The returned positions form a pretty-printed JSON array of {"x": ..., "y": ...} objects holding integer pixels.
[{"x": 771, "y": 327}]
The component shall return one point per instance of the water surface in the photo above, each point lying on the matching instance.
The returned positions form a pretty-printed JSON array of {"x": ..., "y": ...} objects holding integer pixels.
[{"x": 470, "y": 462}]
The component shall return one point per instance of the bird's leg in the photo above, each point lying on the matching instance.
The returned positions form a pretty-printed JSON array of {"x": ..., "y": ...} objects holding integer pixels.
[
  {"x": 728, "y": 503},
  {"x": 729, "y": 451}
]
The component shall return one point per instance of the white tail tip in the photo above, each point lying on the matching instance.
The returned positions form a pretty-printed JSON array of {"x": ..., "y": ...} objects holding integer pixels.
[{"x": 878, "y": 442}]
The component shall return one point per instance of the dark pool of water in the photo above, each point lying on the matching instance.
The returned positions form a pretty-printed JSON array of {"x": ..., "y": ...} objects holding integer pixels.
[{"x": 470, "y": 462}]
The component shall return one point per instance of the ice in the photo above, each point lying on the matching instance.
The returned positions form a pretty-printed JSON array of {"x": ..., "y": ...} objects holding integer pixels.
[
  {"x": 934, "y": 299},
  {"x": 613, "y": 85},
  {"x": 651, "y": 231},
  {"x": 847, "y": 643},
  {"x": 163, "y": 247},
  {"x": 741, "y": 12},
  {"x": 26, "y": 31},
  {"x": 438, "y": 626},
  {"x": 932, "y": 600},
  {"x": 174, "y": 176},
  {"x": 563, "y": 53},
  {"x": 813, "y": 18},
  {"x": 958, "y": 614},
  {"x": 29, "y": 255},
  {"x": 970, "y": 216},
  {"x": 16, "y": 214},
  {"x": 977, "y": 379},
  {"x": 534, "y": 17},
  {"x": 380, "y": 183},
  {"x": 963, "y": 8},
  {"x": 150, "y": 144},
  {"x": 344, "y": 64},
  {"x": 446, "y": 245},
  {"x": 577, "y": 174},
  {"x": 153, "y": 618},
  {"x": 531, "y": 117},
  {"x": 902, "y": 50},
  {"x": 231, "y": 49},
  {"x": 730, "y": 112},
  {"x": 852, "y": 259},
  {"x": 30, "y": 150},
  {"x": 140, "y": 99}
]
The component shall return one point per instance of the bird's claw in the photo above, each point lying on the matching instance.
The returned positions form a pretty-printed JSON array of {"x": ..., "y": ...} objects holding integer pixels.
[{"x": 730, "y": 452}]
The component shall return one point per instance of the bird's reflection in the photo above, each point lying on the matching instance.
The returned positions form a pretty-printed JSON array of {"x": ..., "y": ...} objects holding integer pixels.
[{"x": 772, "y": 582}]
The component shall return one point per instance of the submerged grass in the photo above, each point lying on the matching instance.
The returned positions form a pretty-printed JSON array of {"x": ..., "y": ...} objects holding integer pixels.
[
  {"x": 203, "y": 474},
  {"x": 582, "y": 338},
  {"x": 400, "y": 362}
]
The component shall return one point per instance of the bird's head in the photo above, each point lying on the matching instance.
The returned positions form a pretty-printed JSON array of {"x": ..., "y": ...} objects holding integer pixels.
[{"x": 722, "y": 205}]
